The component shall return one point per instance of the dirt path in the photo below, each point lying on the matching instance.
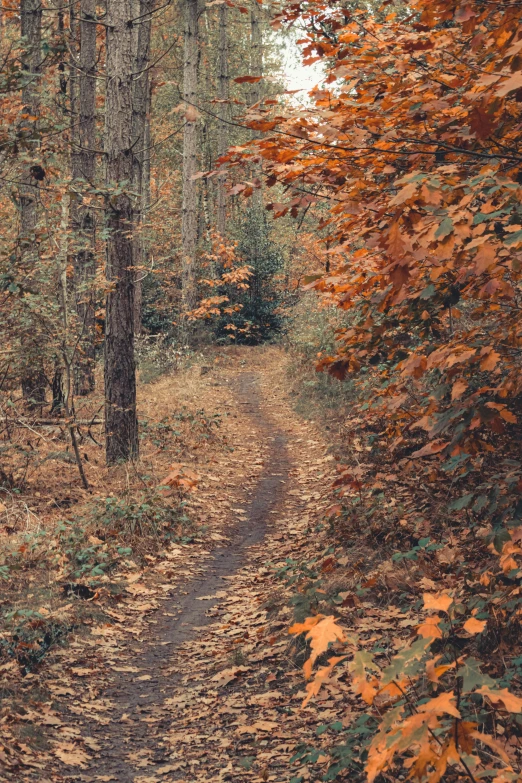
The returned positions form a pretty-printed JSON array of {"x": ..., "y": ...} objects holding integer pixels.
[{"x": 140, "y": 713}]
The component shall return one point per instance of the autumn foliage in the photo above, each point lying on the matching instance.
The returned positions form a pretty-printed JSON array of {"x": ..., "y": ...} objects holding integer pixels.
[
  {"x": 410, "y": 155},
  {"x": 414, "y": 147}
]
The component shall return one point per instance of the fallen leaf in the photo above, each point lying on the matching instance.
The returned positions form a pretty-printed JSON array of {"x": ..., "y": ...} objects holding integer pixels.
[
  {"x": 474, "y": 626},
  {"x": 439, "y": 602}
]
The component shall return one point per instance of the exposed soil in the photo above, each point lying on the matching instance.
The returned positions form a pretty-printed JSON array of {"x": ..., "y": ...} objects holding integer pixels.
[{"x": 136, "y": 695}]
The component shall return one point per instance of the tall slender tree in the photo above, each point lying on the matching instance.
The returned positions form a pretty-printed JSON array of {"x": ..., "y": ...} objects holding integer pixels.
[
  {"x": 141, "y": 95},
  {"x": 189, "y": 226},
  {"x": 223, "y": 96},
  {"x": 84, "y": 171},
  {"x": 256, "y": 50},
  {"x": 120, "y": 370},
  {"x": 256, "y": 69},
  {"x": 34, "y": 382}
]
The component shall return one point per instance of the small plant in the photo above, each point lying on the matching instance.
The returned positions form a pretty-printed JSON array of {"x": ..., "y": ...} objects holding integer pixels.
[
  {"x": 157, "y": 355},
  {"x": 31, "y": 638},
  {"x": 85, "y": 556},
  {"x": 438, "y": 711},
  {"x": 150, "y": 515},
  {"x": 174, "y": 430}
]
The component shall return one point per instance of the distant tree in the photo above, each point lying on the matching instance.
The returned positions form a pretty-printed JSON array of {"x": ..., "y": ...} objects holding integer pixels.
[
  {"x": 189, "y": 227},
  {"x": 141, "y": 89},
  {"x": 223, "y": 96},
  {"x": 83, "y": 175},
  {"x": 258, "y": 316},
  {"x": 34, "y": 382}
]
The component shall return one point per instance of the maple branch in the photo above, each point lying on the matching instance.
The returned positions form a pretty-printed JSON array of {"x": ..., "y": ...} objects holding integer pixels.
[{"x": 460, "y": 150}]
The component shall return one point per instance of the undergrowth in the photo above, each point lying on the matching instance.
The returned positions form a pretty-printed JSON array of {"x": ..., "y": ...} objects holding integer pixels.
[
  {"x": 415, "y": 599},
  {"x": 83, "y": 557},
  {"x": 58, "y": 572},
  {"x": 311, "y": 333}
]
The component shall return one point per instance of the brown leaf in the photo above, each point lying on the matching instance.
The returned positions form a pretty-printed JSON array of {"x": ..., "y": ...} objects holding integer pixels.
[
  {"x": 513, "y": 83},
  {"x": 431, "y": 448},
  {"x": 248, "y": 79},
  {"x": 459, "y": 387},
  {"x": 489, "y": 362}
]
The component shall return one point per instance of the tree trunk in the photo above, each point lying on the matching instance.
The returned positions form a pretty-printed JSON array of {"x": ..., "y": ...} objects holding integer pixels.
[
  {"x": 84, "y": 171},
  {"x": 256, "y": 69},
  {"x": 256, "y": 50},
  {"x": 145, "y": 202},
  {"x": 121, "y": 425},
  {"x": 189, "y": 227},
  {"x": 140, "y": 119},
  {"x": 222, "y": 141},
  {"x": 34, "y": 382}
]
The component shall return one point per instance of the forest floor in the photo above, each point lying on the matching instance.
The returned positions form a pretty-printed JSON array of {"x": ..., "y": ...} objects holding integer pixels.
[
  {"x": 186, "y": 672},
  {"x": 144, "y": 635}
]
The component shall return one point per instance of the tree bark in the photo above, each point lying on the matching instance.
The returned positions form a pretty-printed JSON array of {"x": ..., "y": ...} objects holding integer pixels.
[
  {"x": 256, "y": 50},
  {"x": 84, "y": 222},
  {"x": 121, "y": 425},
  {"x": 256, "y": 69},
  {"x": 140, "y": 134},
  {"x": 223, "y": 95},
  {"x": 34, "y": 382},
  {"x": 189, "y": 227}
]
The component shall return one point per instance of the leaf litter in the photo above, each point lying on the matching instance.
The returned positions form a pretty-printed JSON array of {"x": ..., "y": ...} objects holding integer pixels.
[{"x": 203, "y": 681}]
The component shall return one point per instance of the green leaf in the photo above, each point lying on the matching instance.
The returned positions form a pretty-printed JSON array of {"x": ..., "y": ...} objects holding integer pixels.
[
  {"x": 472, "y": 677},
  {"x": 500, "y": 538},
  {"x": 445, "y": 228},
  {"x": 246, "y": 762},
  {"x": 428, "y": 292},
  {"x": 481, "y": 502},
  {"x": 460, "y": 503},
  {"x": 454, "y": 462},
  {"x": 481, "y": 217},
  {"x": 407, "y": 662},
  {"x": 513, "y": 239}
]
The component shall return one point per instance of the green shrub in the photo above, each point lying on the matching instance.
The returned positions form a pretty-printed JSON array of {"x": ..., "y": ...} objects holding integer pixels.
[
  {"x": 259, "y": 317},
  {"x": 156, "y": 356},
  {"x": 172, "y": 430},
  {"x": 310, "y": 333},
  {"x": 112, "y": 529}
]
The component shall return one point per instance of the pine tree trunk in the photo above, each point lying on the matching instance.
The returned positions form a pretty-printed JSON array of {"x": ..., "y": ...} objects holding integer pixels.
[
  {"x": 256, "y": 50},
  {"x": 34, "y": 382},
  {"x": 223, "y": 94},
  {"x": 121, "y": 425},
  {"x": 189, "y": 227},
  {"x": 84, "y": 222},
  {"x": 140, "y": 119},
  {"x": 256, "y": 69}
]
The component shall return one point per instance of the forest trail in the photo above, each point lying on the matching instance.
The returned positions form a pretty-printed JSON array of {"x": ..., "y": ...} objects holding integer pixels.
[{"x": 133, "y": 725}]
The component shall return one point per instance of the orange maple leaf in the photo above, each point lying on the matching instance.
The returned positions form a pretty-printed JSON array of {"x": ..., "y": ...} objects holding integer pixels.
[{"x": 320, "y": 632}]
